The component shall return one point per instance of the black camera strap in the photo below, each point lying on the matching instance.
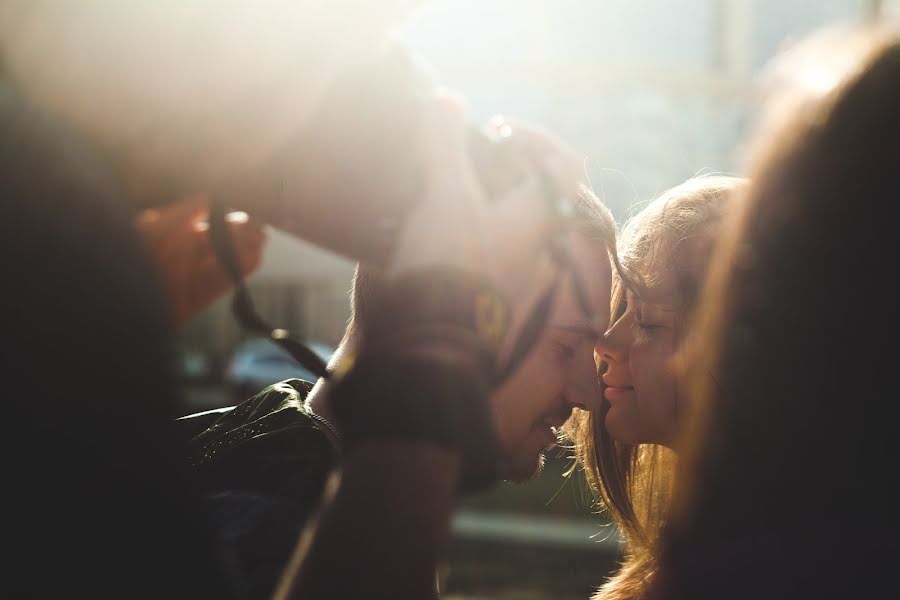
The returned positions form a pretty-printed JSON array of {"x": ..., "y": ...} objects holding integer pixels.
[
  {"x": 242, "y": 304},
  {"x": 245, "y": 312}
]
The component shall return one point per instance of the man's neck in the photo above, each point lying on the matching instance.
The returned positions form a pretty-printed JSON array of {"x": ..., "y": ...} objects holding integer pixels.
[{"x": 318, "y": 400}]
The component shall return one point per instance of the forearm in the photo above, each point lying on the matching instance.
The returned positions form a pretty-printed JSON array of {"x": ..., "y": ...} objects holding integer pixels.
[{"x": 382, "y": 525}]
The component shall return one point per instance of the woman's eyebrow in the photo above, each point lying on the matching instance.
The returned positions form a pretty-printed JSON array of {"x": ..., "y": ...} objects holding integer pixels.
[
  {"x": 662, "y": 306},
  {"x": 665, "y": 302}
]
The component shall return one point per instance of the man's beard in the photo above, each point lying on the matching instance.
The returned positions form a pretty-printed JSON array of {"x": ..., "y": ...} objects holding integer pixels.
[{"x": 520, "y": 472}]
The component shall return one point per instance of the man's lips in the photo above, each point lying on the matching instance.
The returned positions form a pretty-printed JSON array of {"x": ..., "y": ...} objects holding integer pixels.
[{"x": 615, "y": 392}]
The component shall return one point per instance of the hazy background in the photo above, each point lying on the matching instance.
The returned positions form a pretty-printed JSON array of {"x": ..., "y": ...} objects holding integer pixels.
[{"x": 650, "y": 93}]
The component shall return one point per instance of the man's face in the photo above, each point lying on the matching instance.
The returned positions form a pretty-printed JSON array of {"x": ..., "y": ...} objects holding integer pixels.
[{"x": 559, "y": 373}]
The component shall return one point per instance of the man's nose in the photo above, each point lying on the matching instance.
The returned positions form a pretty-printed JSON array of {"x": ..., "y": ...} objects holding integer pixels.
[
  {"x": 612, "y": 346},
  {"x": 584, "y": 384}
]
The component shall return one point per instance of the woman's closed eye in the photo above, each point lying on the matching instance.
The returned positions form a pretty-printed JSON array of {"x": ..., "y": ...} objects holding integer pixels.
[
  {"x": 648, "y": 326},
  {"x": 649, "y": 318}
]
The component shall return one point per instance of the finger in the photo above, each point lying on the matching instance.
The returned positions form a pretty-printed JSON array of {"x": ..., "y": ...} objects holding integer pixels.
[
  {"x": 205, "y": 282},
  {"x": 249, "y": 255},
  {"x": 248, "y": 240},
  {"x": 183, "y": 213},
  {"x": 166, "y": 243},
  {"x": 166, "y": 230},
  {"x": 208, "y": 278},
  {"x": 248, "y": 232}
]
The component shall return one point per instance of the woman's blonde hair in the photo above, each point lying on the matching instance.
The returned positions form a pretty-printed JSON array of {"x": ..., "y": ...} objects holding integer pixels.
[{"x": 634, "y": 481}]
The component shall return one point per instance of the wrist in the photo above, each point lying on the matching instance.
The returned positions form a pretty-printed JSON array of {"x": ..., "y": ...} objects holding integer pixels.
[
  {"x": 443, "y": 312},
  {"x": 393, "y": 397}
]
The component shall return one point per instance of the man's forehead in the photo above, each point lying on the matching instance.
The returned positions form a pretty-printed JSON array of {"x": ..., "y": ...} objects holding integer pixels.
[
  {"x": 593, "y": 268},
  {"x": 589, "y": 317},
  {"x": 594, "y": 278},
  {"x": 592, "y": 329}
]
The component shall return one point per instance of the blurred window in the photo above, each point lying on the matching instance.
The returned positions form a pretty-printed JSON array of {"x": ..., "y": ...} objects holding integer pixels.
[{"x": 890, "y": 9}]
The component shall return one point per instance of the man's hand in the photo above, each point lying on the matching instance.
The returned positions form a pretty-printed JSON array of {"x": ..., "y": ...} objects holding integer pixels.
[
  {"x": 413, "y": 406},
  {"x": 176, "y": 238},
  {"x": 500, "y": 240}
]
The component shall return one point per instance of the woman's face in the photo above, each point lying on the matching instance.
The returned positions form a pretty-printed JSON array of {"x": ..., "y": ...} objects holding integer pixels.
[{"x": 638, "y": 383}]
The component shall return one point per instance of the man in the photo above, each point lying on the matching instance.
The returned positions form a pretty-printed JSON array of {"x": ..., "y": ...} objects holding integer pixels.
[
  {"x": 265, "y": 463},
  {"x": 104, "y": 108},
  {"x": 115, "y": 106}
]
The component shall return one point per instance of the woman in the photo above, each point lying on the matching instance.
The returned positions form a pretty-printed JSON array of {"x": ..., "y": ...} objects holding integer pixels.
[{"x": 626, "y": 447}]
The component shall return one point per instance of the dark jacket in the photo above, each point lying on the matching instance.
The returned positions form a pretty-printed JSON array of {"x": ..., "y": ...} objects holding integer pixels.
[{"x": 263, "y": 465}]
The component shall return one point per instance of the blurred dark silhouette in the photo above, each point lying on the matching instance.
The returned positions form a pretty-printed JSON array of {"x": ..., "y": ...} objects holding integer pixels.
[{"x": 791, "y": 466}]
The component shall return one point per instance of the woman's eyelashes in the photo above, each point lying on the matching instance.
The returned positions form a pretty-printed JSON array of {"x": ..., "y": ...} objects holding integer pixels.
[
  {"x": 647, "y": 318},
  {"x": 647, "y": 326}
]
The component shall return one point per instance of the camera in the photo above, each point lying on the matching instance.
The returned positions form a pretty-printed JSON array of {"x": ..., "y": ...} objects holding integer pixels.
[{"x": 352, "y": 174}]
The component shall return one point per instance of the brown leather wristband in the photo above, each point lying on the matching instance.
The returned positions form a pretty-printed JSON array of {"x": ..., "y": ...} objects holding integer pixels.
[
  {"x": 401, "y": 397},
  {"x": 441, "y": 303}
]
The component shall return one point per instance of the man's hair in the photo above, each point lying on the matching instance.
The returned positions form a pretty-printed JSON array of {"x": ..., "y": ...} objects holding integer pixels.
[{"x": 594, "y": 219}]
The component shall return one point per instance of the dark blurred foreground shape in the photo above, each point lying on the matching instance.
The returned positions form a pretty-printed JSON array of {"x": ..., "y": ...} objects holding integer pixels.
[{"x": 94, "y": 484}]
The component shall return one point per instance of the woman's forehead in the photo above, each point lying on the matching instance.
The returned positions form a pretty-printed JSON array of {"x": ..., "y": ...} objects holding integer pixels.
[
  {"x": 661, "y": 292},
  {"x": 661, "y": 275}
]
